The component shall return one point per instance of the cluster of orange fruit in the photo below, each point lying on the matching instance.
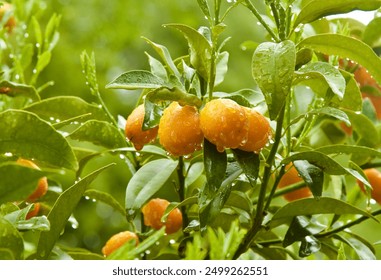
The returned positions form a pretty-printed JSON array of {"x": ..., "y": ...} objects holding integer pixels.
[
  {"x": 40, "y": 191},
  {"x": 182, "y": 129},
  {"x": 153, "y": 212}
]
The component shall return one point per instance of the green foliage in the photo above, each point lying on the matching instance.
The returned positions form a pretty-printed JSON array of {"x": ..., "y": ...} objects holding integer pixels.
[{"x": 305, "y": 82}]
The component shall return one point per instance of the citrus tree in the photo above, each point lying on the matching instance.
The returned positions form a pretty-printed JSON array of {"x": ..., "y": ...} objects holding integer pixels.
[{"x": 285, "y": 170}]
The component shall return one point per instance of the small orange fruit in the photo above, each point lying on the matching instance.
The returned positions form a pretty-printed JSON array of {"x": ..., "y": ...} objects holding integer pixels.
[
  {"x": 42, "y": 186},
  {"x": 134, "y": 129},
  {"x": 117, "y": 240},
  {"x": 224, "y": 123},
  {"x": 292, "y": 177},
  {"x": 259, "y": 132},
  {"x": 11, "y": 22},
  {"x": 154, "y": 210},
  {"x": 374, "y": 178},
  {"x": 34, "y": 212},
  {"x": 179, "y": 129}
]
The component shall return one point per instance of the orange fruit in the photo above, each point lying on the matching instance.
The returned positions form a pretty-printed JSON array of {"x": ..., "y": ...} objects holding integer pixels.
[
  {"x": 117, "y": 240},
  {"x": 374, "y": 178},
  {"x": 259, "y": 131},
  {"x": 42, "y": 186},
  {"x": 179, "y": 130},
  {"x": 11, "y": 22},
  {"x": 224, "y": 123},
  {"x": 34, "y": 212},
  {"x": 292, "y": 177},
  {"x": 154, "y": 210},
  {"x": 134, "y": 129}
]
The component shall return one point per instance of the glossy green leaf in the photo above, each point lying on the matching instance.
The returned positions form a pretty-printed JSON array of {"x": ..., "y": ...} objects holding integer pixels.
[
  {"x": 136, "y": 79},
  {"x": 105, "y": 198},
  {"x": 55, "y": 109},
  {"x": 273, "y": 67},
  {"x": 204, "y": 6},
  {"x": 157, "y": 68},
  {"x": 99, "y": 133},
  {"x": 312, "y": 206},
  {"x": 25, "y": 135},
  {"x": 17, "y": 182},
  {"x": 39, "y": 223},
  {"x": 328, "y": 111},
  {"x": 345, "y": 47},
  {"x": 61, "y": 211},
  {"x": 308, "y": 246},
  {"x": 300, "y": 228},
  {"x": 312, "y": 175},
  {"x": 303, "y": 56},
  {"x": 352, "y": 99},
  {"x": 249, "y": 163},
  {"x": 372, "y": 32},
  {"x": 13, "y": 89},
  {"x": 324, "y": 72},
  {"x": 165, "y": 56},
  {"x": 173, "y": 94},
  {"x": 315, "y": 9},
  {"x": 351, "y": 150},
  {"x": 146, "y": 182},
  {"x": 200, "y": 49},
  {"x": 11, "y": 242},
  {"x": 222, "y": 67},
  {"x": 365, "y": 128},
  {"x": 362, "y": 250}
]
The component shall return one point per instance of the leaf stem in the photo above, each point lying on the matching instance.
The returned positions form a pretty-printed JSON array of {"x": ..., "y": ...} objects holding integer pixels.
[{"x": 252, "y": 8}]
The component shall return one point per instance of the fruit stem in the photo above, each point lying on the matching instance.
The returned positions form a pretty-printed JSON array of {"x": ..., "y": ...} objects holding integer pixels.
[{"x": 260, "y": 214}]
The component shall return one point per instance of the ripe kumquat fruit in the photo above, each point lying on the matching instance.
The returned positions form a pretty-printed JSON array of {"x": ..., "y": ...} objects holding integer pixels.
[
  {"x": 117, "y": 240},
  {"x": 154, "y": 210},
  {"x": 374, "y": 178},
  {"x": 292, "y": 177}
]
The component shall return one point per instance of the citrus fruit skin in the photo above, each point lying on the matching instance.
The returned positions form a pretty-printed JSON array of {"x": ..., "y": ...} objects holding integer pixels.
[
  {"x": 224, "y": 123},
  {"x": 179, "y": 130},
  {"x": 292, "y": 177},
  {"x": 34, "y": 212},
  {"x": 117, "y": 240},
  {"x": 134, "y": 129},
  {"x": 154, "y": 210},
  {"x": 374, "y": 178},
  {"x": 259, "y": 132},
  {"x": 42, "y": 186}
]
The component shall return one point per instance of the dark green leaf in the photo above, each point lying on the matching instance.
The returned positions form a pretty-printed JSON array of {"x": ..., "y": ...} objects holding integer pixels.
[
  {"x": 309, "y": 246},
  {"x": 61, "y": 211},
  {"x": 173, "y": 94},
  {"x": 105, "y": 198},
  {"x": 312, "y": 206},
  {"x": 345, "y": 47},
  {"x": 14, "y": 89},
  {"x": 273, "y": 69},
  {"x": 99, "y": 133},
  {"x": 146, "y": 182},
  {"x": 136, "y": 79},
  {"x": 315, "y": 9},
  {"x": 200, "y": 49},
  {"x": 312, "y": 175},
  {"x": 25, "y": 135},
  {"x": 361, "y": 249},
  {"x": 55, "y": 109},
  {"x": 299, "y": 229},
  {"x": 249, "y": 163},
  {"x": 11, "y": 242}
]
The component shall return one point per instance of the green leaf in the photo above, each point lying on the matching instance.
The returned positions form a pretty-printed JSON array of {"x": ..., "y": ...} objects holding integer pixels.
[
  {"x": 146, "y": 182},
  {"x": 55, "y": 109},
  {"x": 372, "y": 32},
  {"x": 157, "y": 68},
  {"x": 312, "y": 206},
  {"x": 17, "y": 182},
  {"x": 11, "y": 242},
  {"x": 328, "y": 111},
  {"x": 40, "y": 223},
  {"x": 27, "y": 55},
  {"x": 105, "y": 198},
  {"x": 273, "y": 67},
  {"x": 323, "y": 72},
  {"x": 204, "y": 6},
  {"x": 136, "y": 79},
  {"x": 300, "y": 228},
  {"x": 222, "y": 67},
  {"x": 350, "y": 149},
  {"x": 249, "y": 163},
  {"x": 25, "y": 135},
  {"x": 345, "y": 47},
  {"x": 173, "y": 94},
  {"x": 89, "y": 70},
  {"x": 315, "y": 9},
  {"x": 165, "y": 56},
  {"x": 362, "y": 250},
  {"x": 14, "y": 90},
  {"x": 43, "y": 61},
  {"x": 312, "y": 175},
  {"x": 309, "y": 245},
  {"x": 61, "y": 211},
  {"x": 365, "y": 128},
  {"x": 99, "y": 133},
  {"x": 200, "y": 49},
  {"x": 352, "y": 99}
]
